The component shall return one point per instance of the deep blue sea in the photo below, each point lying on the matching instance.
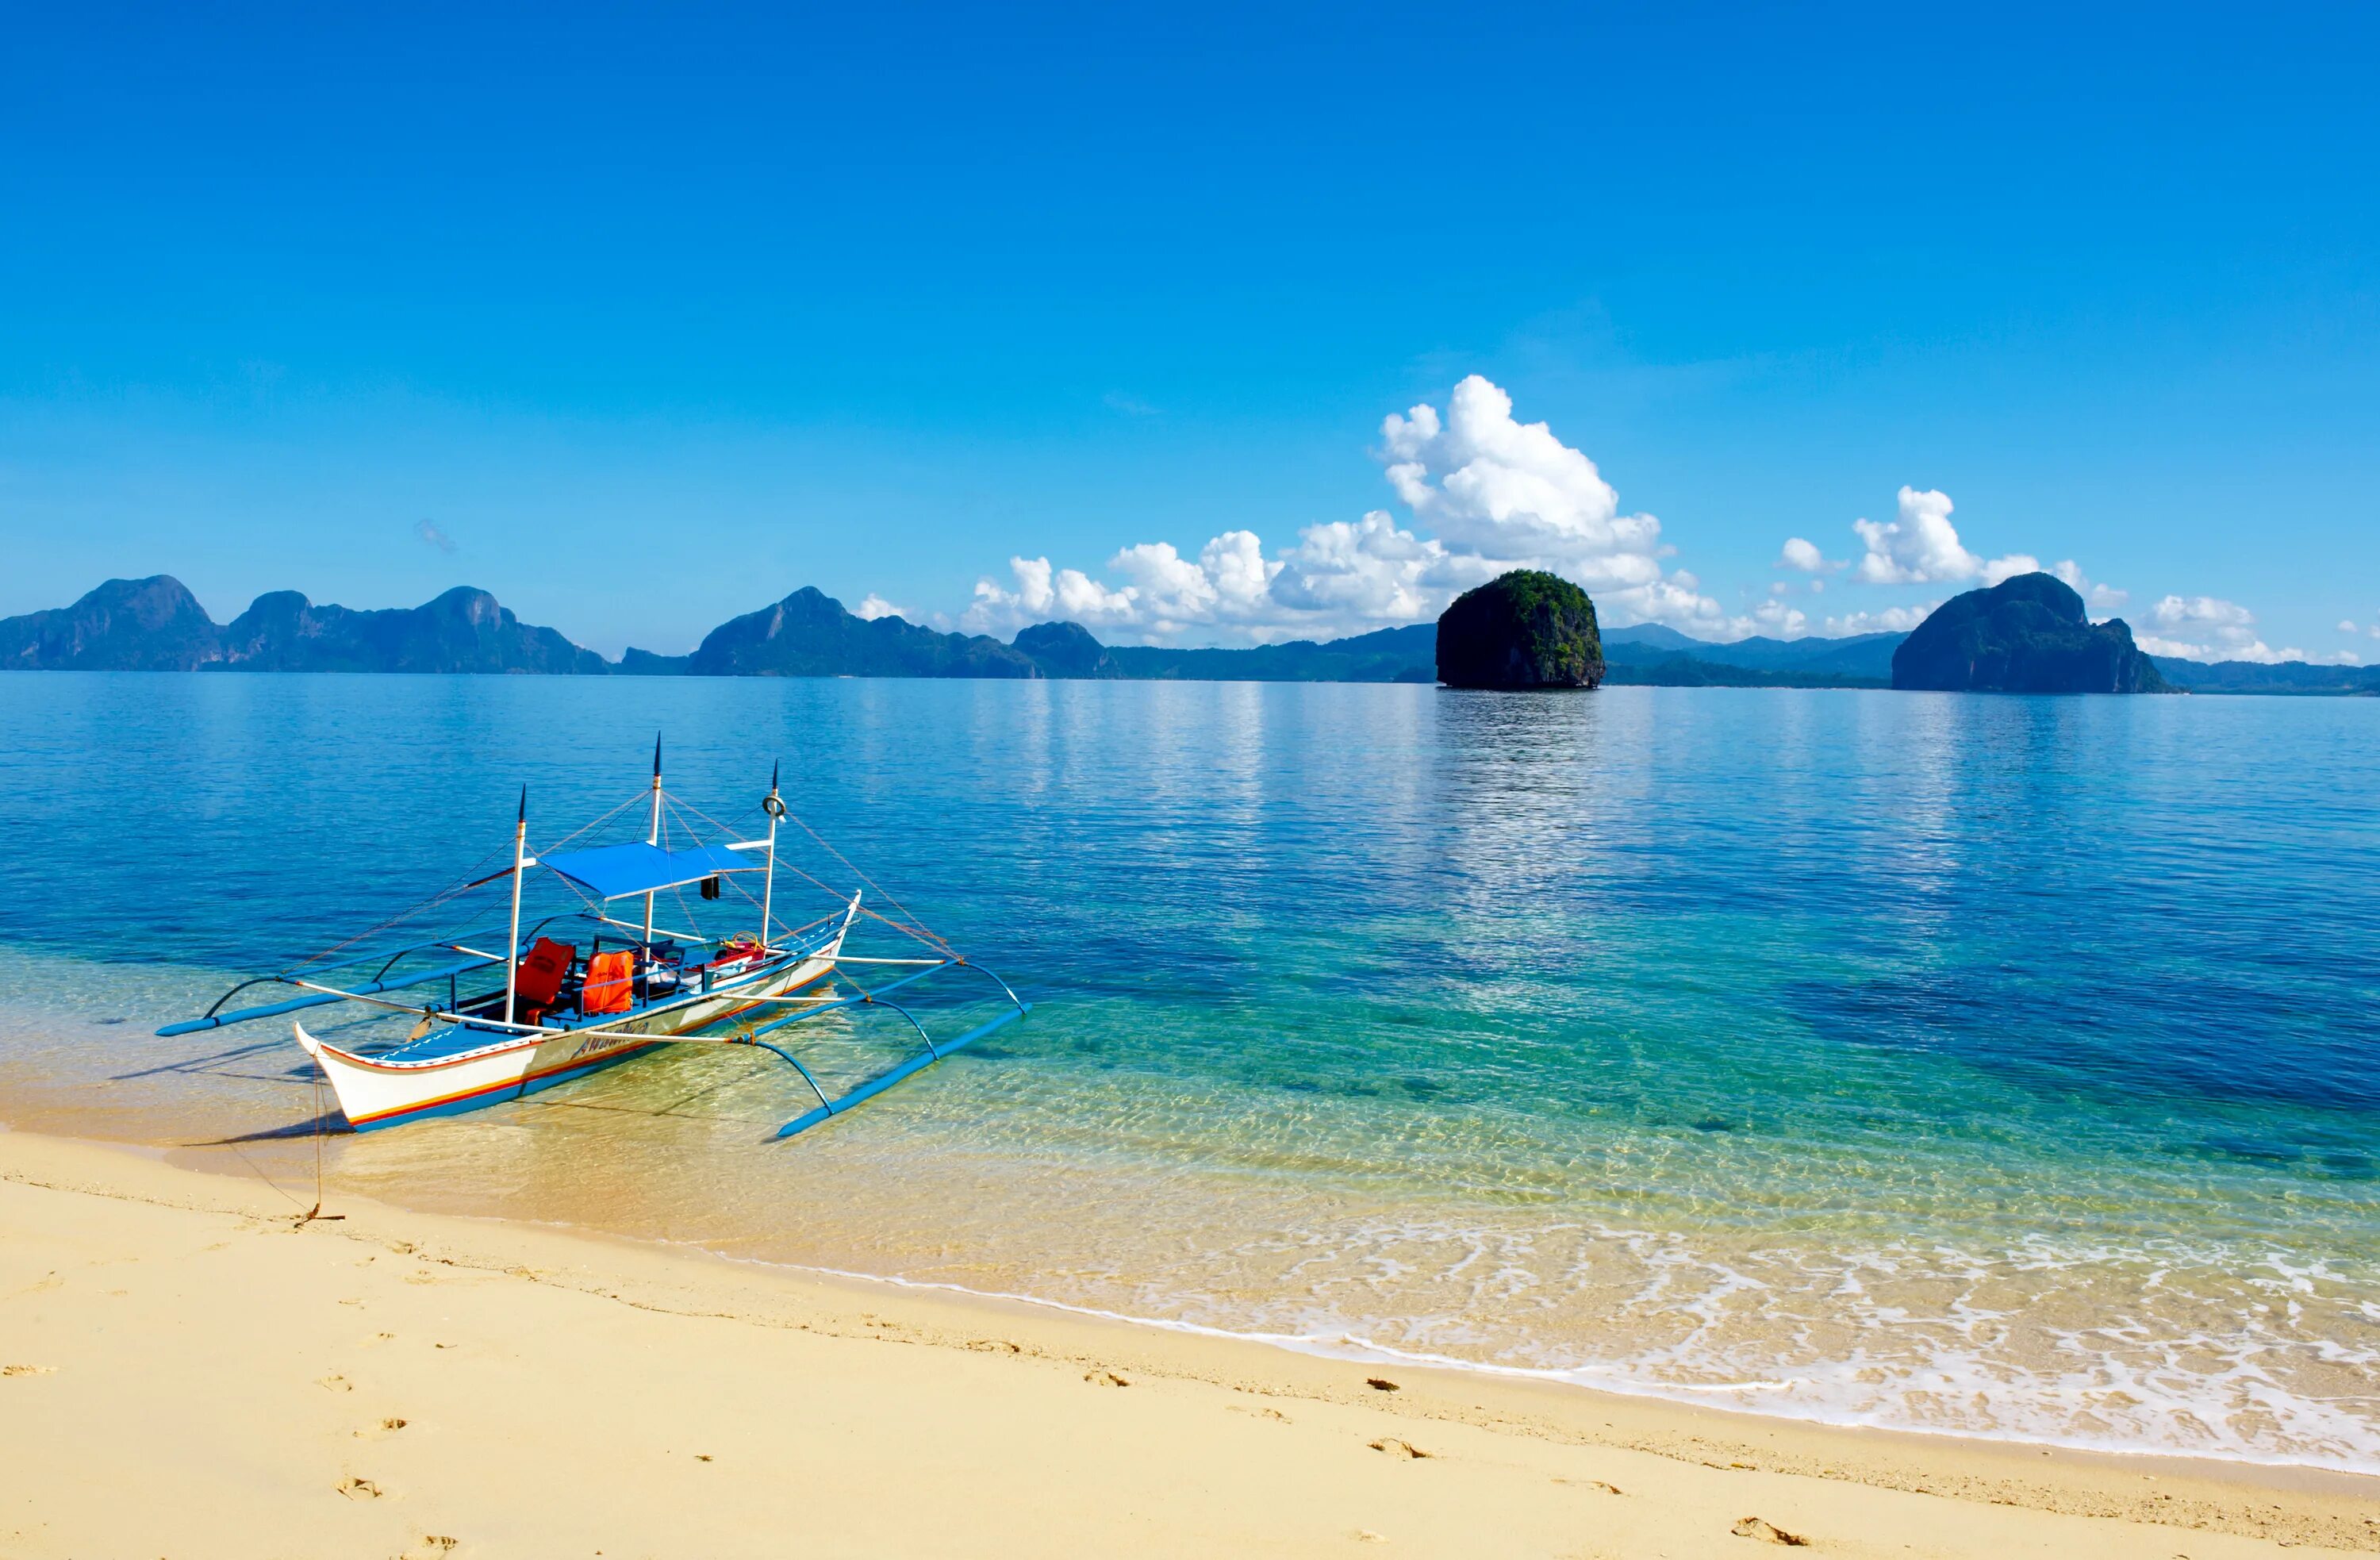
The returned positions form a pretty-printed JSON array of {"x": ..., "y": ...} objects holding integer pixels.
[{"x": 1999, "y": 1065}]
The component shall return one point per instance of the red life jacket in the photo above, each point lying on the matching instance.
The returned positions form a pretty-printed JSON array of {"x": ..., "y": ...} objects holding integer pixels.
[{"x": 540, "y": 979}]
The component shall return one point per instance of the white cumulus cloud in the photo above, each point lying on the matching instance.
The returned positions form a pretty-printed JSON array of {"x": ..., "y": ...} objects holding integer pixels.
[
  {"x": 2102, "y": 600},
  {"x": 1043, "y": 592},
  {"x": 2209, "y": 628},
  {"x": 873, "y": 606},
  {"x": 1920, "y": 546},
  {"x": 1485, "y": 492},
  {"x": 1886, "y": 620}
]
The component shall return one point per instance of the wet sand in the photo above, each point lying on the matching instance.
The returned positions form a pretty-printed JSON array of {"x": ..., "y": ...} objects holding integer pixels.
[{"x": 188, "y": 1371}]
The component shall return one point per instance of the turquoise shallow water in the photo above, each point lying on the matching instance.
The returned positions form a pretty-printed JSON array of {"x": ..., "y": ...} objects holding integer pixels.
[{"x": 2007, "y": 1066}]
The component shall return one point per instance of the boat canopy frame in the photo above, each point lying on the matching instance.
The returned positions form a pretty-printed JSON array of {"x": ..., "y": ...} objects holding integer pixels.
[{"x": 643, "y": 871}]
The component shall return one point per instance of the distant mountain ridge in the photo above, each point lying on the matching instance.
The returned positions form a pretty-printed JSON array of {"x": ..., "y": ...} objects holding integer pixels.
[
  {"x": 1859, "y": 656},
  {"x": 157, "y": 625},
  {"x": 2268, "y": 676},
  {"x": 809, "y": 635}
]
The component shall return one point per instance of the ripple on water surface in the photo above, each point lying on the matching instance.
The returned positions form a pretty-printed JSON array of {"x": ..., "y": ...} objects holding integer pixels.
[{"x": 1972, "y": 1064}]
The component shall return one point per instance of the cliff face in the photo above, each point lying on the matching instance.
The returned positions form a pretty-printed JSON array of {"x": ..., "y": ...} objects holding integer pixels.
[
  {"x": 1522, "y": 630},
  {"x": 809, "y": 635},
  {"x": 2028, "y": 634}
]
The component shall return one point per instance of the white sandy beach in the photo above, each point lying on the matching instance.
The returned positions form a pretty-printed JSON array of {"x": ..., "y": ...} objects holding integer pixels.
[{"x": 191, "y": 1373}]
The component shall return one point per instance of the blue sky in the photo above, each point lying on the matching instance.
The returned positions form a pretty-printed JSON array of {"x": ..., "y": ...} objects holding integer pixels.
[{"x": 642, "y": 320}]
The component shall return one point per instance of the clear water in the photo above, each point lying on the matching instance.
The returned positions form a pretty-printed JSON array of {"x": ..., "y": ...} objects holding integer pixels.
[{"x": 2005, "y": 1065}]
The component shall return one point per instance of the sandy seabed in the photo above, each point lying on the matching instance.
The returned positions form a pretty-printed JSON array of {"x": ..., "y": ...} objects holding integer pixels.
[{"x": 187, "y": 1370}]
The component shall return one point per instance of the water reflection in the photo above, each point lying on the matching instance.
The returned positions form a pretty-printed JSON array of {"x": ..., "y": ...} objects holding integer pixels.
[{"x": 1656, "y": 1034}]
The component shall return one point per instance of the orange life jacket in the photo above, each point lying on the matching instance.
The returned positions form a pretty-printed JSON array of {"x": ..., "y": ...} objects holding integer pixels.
[{"x": 611, "y": 983}]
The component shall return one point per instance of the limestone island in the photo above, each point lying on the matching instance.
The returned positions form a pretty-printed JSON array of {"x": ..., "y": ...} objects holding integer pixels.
[
  {"x": 2027, "y": 634},
  {"x": 1522, "y": 630}
]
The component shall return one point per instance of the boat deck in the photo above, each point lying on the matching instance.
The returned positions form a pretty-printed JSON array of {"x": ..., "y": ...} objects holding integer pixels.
[{"x": 677, "y": 990}]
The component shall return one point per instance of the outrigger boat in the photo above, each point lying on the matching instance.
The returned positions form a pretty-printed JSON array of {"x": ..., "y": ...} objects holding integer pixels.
[{"x": 558, "y": 1015}]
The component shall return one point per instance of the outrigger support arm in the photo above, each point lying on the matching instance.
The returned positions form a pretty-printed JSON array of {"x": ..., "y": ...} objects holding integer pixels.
[
  {"x": 882, "y": 1081},
  {"x": 828, "y": 1108},
  {"x": 213, "y": 1020},
  {"x": 824, "y": 1103},
  {"x": 1022, "y": 1009}
]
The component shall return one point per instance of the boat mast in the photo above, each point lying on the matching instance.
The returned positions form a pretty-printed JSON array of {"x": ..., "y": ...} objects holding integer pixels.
[
  {"x": 773, "y": 807},
  {"x": 512, "y": 959},
  {"x": 653, "y": 836}
]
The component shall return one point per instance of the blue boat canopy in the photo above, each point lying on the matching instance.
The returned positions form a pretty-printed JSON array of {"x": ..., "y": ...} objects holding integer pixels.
[{"x": 615, "y": 871}]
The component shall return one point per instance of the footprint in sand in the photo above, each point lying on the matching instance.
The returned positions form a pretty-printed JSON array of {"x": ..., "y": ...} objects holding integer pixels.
[
  {"x": 359, "y": 1489},
  {"x": 1591, "y": 1484},
  {"x": 1397, "y": 1448},
  {"x": 1767, "y": 1533},
  {"x": 1105, "y": 1378},
  {"x": 335, "y": 1383}
]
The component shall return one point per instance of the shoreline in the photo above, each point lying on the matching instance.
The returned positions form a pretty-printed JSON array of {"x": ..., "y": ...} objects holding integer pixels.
[
  {"x": 1230, "y": 1442},
  {"x": 225, "y": 1161},
  {"x": 1358, "y": 1351}
]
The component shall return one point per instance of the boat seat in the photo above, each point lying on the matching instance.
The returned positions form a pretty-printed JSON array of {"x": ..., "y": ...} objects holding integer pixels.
[{"x": 538, "y": 981}]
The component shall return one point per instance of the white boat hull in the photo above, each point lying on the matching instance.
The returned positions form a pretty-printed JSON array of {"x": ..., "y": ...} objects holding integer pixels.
[{"x": 375, "y": 1094}]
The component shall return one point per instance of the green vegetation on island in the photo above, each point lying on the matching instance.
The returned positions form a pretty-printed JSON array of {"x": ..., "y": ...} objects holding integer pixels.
[
  {"x": 1523, "y": 630},
  {"x": 2027, "y": 634}
]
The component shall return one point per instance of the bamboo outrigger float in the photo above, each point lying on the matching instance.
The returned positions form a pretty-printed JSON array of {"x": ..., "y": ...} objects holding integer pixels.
[{"x": 558, "y": 1017}]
